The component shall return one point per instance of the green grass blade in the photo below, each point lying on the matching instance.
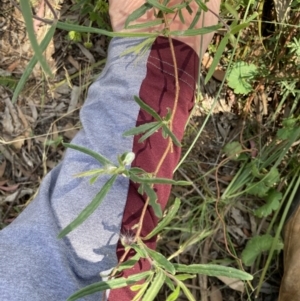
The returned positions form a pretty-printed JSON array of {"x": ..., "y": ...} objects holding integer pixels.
[
  {"x": 110, "y": 284},
  {"x": 169, "y": 217},
  {"x": 217, "y": 58},
  {"x": 140, "y": 129},
  {"x": 138, "y": 13},
  {"x": 101, "y": 159},
  {"x": 213, "y": 270},
  {"x": 155, "y": 286},
  {"x": 147, "y": 108},
  {"x": 27, "y": 15},
  {"x": 44, "y": 44},
  {"x": 88, "y": 210}
]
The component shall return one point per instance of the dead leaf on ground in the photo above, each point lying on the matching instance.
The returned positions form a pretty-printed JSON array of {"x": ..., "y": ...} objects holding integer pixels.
[
  {"x": 233, "y": 283},
  {"x": 75, "y": 94},
  {"x": 70, "y": 131},
  {"x": 16, "y": 195},
  {"x": 2, "y": 168},
  {"x": 215, "y": 294}
]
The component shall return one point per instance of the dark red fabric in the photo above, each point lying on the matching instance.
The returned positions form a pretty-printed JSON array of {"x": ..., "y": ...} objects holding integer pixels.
[{"x": 158, "y": 91}]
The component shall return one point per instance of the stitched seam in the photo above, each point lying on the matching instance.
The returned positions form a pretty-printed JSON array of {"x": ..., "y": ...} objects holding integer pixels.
[
  {"x": 171, "y": 75},
  {"x": 188, "y": 74}
]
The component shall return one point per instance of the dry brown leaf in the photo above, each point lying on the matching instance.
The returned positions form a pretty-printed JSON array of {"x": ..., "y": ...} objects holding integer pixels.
[
  {"x": 233, "y": 283},
  {"x": 215, "y": 294},
  {"x": 13, "y": 66},
  {"x": 86, "y": 53},
  {"x": 6, "y": 121},
  {"x": 18, "y": 142},
  {"x": 2, "y": 168},
  {"x": 70, "y": 131},
  {"x": 3, "y": 182},
  {"x": 73, "y": 62},
  {"x": 33, "y": 109},
  {"x": 75, "y": 94},
  {"x": 16, "y": 195}
]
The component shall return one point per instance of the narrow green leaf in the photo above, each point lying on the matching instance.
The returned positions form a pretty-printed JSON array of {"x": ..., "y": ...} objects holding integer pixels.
[
  {"x": 101, "y": 159},
  {"x": 181, "y": 16},
  {"x": 231, "y": 10},
  {"x": 172, "y": 135},
  {"x": 186, "y": 291},
  {"x": 161, "y": 7},
  {"x": 196, "y": 19},
  {"x": 138, "y": 13},
  {"x": 196, "y": 31},
  {"x": 202, "y": 5},
  {"x": 85, "y": 213},
  {"x": 141, "y": 252},
  {"x": 151, "y": 132},
  {"x": 147, "y": 108},
  {"x": 238, "y": 28},
  {"x": 217, "y": 58},
  {"x": 174, "y": 295},
  {"x": 155, "y": 286},
  {"x": 183, "y": 277},
  {"x": 161, "y": 261},
  {"x": 168, "y": 218},
  {"x": 136, "y": 170},
  {"x": 146, "y": 24},
  {"x": 161, "y": 181},
  {"x": 189, "y": 9},
  {"x": 129, "y": 263},
  {"x": 153, "y": 200},
  {"x": 141, "y": 128},
  {"x": 89, "y": 173},
  {"x": 213, "y": 270},
  {"x": 44, "y": 44},
  {"x": 110, "y": 284},
  {"x": 27, "y": 15}
]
